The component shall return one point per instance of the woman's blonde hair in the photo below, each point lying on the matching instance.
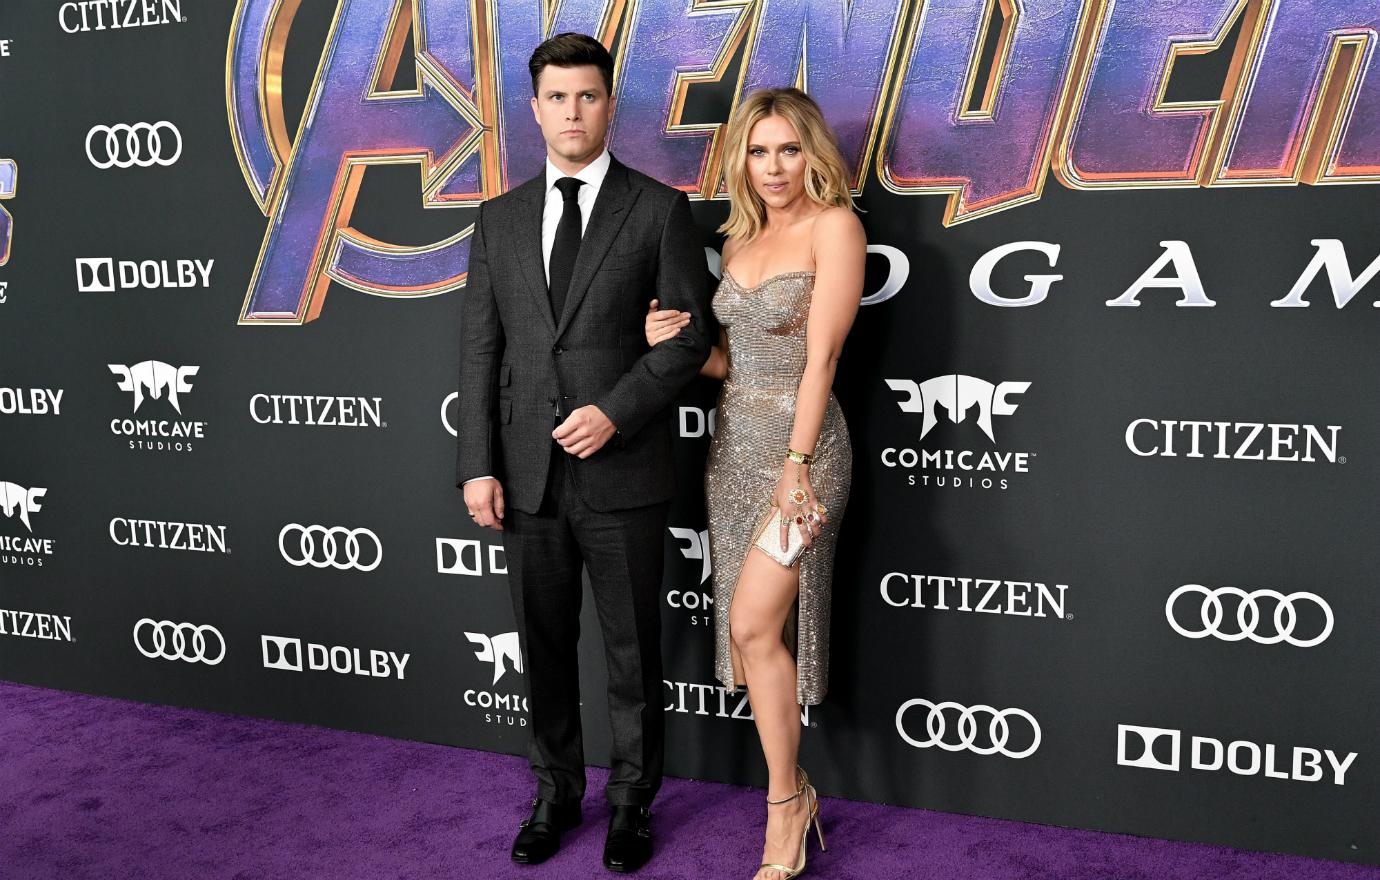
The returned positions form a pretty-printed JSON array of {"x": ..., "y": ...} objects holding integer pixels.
[{"x": 826, "y": 175}]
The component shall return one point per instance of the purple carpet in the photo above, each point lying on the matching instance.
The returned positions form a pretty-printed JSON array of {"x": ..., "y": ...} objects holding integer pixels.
[{"x": 110, "y": 789}]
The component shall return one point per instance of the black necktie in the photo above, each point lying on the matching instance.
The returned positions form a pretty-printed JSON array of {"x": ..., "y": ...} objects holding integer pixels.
[{"x": 566, "y": 246}]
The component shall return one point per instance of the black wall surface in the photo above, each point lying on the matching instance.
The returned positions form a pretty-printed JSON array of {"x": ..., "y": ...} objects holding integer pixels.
[{"x": 1111, "y": 532}]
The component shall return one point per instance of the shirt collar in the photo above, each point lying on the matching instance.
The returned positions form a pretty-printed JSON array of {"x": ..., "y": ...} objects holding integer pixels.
[{"x": 592, "y": 174}]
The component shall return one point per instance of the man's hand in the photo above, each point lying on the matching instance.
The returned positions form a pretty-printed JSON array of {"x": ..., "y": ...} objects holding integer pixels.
[
  {"x": 584, "y": 432},
  {"x": 484, "y": 501}
]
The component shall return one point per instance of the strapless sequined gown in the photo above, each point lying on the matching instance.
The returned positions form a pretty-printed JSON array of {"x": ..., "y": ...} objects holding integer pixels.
[{"x": 756, "y": 411}]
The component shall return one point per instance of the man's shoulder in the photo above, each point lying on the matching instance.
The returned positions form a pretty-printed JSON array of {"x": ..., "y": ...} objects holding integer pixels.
[
  {"x": 650, "y": 186},
  {"x": 502, "y": 203}
]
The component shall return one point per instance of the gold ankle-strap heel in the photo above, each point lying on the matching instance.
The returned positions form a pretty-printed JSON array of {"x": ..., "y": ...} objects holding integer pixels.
[{"x": 812, "y": 802}]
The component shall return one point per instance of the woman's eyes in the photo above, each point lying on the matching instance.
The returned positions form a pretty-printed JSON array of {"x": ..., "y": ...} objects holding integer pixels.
[{"x": 758, "y": 151}]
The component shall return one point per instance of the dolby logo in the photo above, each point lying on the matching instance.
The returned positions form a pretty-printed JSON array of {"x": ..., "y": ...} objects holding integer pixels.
[
  {"x": 162, "y": 535},
  {"x": 1161, "y": 748},
  {"x": 1242, "y": 441},
  {"x": 691, "y": 698},
  {"x": 100, "y": 15},
  {"x": 107, "y": 275},
  {"x": 695, "y": 422},
  {"x": 963, "y": 399},
  {"x": 317, "y": 410},
  {"x": 293, "y": 655},
  {"x": 466, "y": 556},
  {"x": 30, "y": 401},
  {"x": 975, "y": 595}
]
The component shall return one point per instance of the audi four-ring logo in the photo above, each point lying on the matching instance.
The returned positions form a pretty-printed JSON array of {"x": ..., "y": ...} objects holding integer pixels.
[
  {"x": 143, "y": 145},
  {"x": 1248, "y": 615},
  {"x": 337, "y": 547},
  {"x": 936, "y": 725},
  {"x": 179, "y": 641}
]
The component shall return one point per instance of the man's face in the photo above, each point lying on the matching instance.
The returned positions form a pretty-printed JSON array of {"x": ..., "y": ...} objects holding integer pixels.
[{"x": 574, "y": 111}]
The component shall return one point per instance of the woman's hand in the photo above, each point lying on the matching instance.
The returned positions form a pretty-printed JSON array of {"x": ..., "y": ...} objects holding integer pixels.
[
  {"x": 795, "y": 501},
  {"x": 663, "y": 324}
]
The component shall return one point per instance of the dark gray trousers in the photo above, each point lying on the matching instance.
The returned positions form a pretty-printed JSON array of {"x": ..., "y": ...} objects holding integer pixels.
[{"x": 623, "y": 551}]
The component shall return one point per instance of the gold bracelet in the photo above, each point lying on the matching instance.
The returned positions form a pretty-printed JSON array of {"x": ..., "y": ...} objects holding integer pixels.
[{"x": 800, "y": 457}]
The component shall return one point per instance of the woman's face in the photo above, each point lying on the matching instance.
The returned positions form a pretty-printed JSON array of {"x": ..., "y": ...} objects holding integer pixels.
[{"x": 775, "y": 163}]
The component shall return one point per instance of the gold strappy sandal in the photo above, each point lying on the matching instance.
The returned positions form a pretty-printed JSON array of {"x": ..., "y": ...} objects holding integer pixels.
[{"x": 812, "y": 799}]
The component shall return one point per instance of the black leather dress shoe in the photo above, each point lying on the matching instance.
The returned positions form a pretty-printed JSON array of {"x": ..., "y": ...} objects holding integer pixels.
[
  {"x": 629, "y": 844},
  {"x": 539, "y": 836}
]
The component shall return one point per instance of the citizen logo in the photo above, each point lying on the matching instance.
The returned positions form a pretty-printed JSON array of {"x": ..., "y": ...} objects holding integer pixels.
[
  {"x": 976, "y": 595},
  {"x": 142, "y": 144},
  {"x": 293, "y": 655},
  {"x": 1242, "y": 441},
  {"x": 156, "y": 378},
  {"x": 107, "y": 275},
  {"x": 500, "y": 650},
  {"x": 15, "y": 500},
  {"x": 1278, "y": 623},
  {"x": 35, "y": 625},
  {"x": 465, "y": 556},
  {"x": 168, "y": 535},
  {"x": 299, "y": 409},
  {"x": 691, "y": 698},
  {"x": 1161, "y": 748},
  {"x": 99, "y": 15},
  {"x": 695, "y": 422},
  {"x": 696, "y": 547},
  {"x": 965, "y": 733},
  {"x": 30, "y": 401},
  {"x": 4, "y": 285},
  {"x": 956, "y": 395},
  {"x": 188, "y": 642},
  {"x": 330, "y": 547}
]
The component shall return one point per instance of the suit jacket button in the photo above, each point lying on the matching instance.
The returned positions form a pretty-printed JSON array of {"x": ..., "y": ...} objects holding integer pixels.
[
  {"x": 551, "y": 400},
  {"x": 558, "y": 350}
]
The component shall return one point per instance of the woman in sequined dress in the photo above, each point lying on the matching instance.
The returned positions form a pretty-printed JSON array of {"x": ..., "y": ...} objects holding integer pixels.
[{"x": 792, "y": 282}]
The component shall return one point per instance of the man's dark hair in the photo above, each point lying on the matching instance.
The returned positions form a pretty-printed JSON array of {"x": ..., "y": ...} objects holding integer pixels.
[{"x": 571, "y": 50}]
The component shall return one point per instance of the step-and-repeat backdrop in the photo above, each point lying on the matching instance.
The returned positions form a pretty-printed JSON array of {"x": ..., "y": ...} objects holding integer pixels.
[{"x": 1110, "y": 559}]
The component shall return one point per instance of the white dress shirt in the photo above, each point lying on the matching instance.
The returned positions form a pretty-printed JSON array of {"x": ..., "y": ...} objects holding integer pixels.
[{"x": 593, "y": 175}]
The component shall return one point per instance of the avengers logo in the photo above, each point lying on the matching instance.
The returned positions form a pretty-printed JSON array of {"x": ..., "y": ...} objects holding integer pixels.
[
  {"x": 179, "y": 641},
  {"x": 1283, "y": 623},
  {"x": 965, "y": 732},
  {"x": 9, "y": 182},
  {"x": 141, "y": 144},
  {"x": 1079, "y": 87}
]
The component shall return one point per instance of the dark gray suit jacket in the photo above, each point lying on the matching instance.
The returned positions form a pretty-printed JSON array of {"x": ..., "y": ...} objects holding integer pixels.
[{"x": 520, "y": 366}]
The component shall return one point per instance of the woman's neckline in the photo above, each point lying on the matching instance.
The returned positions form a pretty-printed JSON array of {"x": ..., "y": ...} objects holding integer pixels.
[{"x": 728, "y": 274}]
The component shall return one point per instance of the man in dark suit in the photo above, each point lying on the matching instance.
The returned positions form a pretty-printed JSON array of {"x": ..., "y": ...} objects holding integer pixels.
[{"x": 564, "y": 435}]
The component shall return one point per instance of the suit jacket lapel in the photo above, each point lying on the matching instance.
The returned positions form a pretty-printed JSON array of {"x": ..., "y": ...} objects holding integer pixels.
[
  {"x": 529, "y": 210},
  {"x": 610, "y": 210}
]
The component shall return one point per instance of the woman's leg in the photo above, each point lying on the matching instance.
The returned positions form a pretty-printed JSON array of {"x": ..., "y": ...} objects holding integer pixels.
[{"x": 762, "y": 598}]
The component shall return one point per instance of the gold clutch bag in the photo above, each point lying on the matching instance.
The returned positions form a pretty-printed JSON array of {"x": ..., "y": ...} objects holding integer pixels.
[{"x": 767, "y": 538}]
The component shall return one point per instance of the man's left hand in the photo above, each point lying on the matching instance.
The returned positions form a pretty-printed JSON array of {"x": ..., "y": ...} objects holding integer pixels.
[{"x": 584, "y": 432}]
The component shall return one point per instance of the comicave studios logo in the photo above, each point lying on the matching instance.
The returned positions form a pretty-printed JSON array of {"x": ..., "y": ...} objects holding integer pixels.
[
  {"x": 964, "y": 399},
  {"x": 99, "y": 15},
  {"x": 30, "y": 401},
  {"x": 1242, "y": 441},
  {"x": 502, "y": 655},
  {"x": 1161, "y": 748},
  {"x": 291, "y": 654},
  {"x": 35, "y": 625},
  {"x": 107, "y": 274},
  {"x": 694, "y": 546},
  {"x": 975, "y": 595},
  {"x": 18, "y": 502},
  {"x": 155, "y": 380}
]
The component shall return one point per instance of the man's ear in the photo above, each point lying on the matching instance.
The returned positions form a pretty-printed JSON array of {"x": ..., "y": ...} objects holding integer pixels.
[{"x": 534, "y": 110}]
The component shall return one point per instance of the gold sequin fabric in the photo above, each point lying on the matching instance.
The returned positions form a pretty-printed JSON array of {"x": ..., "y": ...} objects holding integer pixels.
[{"x": 756, "y": 412}]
